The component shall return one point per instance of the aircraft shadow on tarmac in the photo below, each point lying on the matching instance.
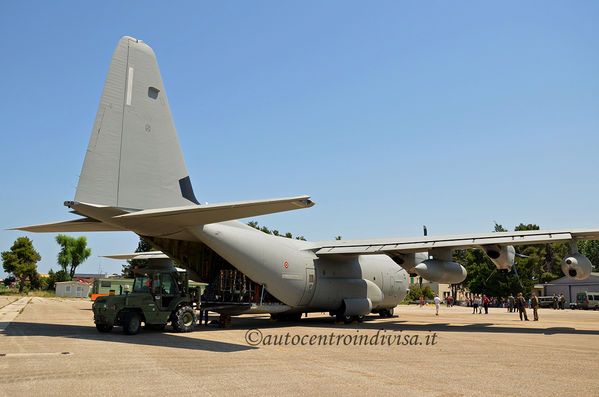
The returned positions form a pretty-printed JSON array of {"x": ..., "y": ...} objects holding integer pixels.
[
  {"x": 145, "y": 337},
  {"x": 395, "y": 324}
]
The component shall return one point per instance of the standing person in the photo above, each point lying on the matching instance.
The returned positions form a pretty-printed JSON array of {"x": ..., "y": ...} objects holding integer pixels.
[
  {"x": 421, "y": 300},
  {"x": 203, "y": 310},
  {"x": 480, "y": 305},
  {"x": 474, "y": 304},
  {"x": 521, "y": 304},
  {"x": 554, "y": 302},
  {"x": 437, "y": 304},
  {"x": 559, "y": 301},
  {"x": 467, "y": 302},
  {"x": 535, "y": 306},
  {"x": 563, "y": 301},
  {"x": 486, "y": 304},
  {"x": 512, "y": 303}
]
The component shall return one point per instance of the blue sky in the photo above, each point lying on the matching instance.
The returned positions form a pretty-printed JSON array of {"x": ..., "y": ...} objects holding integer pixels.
[{"x": 390, "y": 115}]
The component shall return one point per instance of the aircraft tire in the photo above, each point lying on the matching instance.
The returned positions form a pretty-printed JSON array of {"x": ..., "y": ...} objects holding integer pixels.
[
  {"x": 360, "y": 318},
  {"x": 184, "y": 320},
  {"x": 132, "y": 323}
]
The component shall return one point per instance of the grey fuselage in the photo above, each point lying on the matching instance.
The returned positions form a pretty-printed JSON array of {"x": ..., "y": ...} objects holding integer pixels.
[{"x": 292, "y": 273}]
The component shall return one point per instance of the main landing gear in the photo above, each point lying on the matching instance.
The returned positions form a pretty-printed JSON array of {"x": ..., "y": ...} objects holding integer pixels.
[{"x": 342, "y": 318}]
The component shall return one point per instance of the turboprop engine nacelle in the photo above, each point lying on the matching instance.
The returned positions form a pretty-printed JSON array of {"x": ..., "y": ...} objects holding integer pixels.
[
  {"x": 445, "y": 272},
  {"x": 502, "y": 256},
  {"x": 576, "y": 266}
]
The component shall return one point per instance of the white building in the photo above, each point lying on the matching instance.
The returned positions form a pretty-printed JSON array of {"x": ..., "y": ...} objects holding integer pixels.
[
  {"x": 75, "y": 289},
  {"x": 569, "y": 287}
]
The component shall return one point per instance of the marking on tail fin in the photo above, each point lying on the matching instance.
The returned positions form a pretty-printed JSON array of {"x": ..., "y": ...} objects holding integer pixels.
[
  {"x": 129, "y": 85},
  {"x": 187, "y": 190}
]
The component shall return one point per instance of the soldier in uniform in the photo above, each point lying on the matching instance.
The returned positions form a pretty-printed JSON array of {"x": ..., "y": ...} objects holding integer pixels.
[
  {"x": 535, "y": 306},
  {"x": 554, "y": 302},
  {"x": 521, "y": 304},
  {"x": 512, "y": 302},
  {"x": 563, "y": 301}
]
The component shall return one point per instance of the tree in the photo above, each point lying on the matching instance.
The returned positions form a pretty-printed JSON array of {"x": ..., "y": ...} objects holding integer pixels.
[
  {"x": 266, "y": 230},
  {"x": 21, "y": 260},
  {"x": 415, "y": 292},
  {"x": 142, "y": 246},
  {"x": 590, "y": 249},
  {"x": 54, "y": 278},
  {"x": 74, "y": 252}
]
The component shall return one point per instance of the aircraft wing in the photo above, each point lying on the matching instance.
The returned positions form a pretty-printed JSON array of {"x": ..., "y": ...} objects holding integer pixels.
[
  {"x": 407, "y": 245},
  {"x": 76, "y": 225}
]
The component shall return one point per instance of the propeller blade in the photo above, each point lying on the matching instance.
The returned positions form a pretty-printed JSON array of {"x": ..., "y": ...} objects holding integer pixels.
[
  {"x": 491, "y": 275},
  {"x": 522, "y": 256},
  {"x": 516, "y": 273}
]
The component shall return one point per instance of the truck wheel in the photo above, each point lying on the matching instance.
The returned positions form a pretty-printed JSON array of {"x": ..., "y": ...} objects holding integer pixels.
[
  {"x": 132, "y": 323},
  {"x": 184, "y": 320},
  {"x": 104, "y": 327}
]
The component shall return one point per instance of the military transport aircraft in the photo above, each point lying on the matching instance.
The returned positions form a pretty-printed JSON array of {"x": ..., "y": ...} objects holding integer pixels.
[{"x": 134, "y": 178}]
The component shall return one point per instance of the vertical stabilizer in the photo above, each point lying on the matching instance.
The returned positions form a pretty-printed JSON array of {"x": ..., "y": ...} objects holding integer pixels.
[{"x": 134, "y": 158}]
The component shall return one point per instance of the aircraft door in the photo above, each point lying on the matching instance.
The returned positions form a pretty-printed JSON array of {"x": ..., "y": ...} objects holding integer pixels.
[{"x": 309, "y": 290}]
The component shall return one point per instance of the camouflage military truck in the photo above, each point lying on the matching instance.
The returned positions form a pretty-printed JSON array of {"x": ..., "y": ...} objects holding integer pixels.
[{"x": 160, "y": 295}]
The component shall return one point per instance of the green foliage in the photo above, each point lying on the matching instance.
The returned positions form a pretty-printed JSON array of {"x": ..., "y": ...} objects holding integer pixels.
[
  {"x": 266, "y": 230},
  {"x": 54, "y": 278},
  {"x": 73, "y": 252},
  {"x": 338, "y": 238},
  {"x": 416, "y": 291},
  {"x": 21, "y": 260},
  {"x": 590, "y": 249},
  {"x": 542, "y": 264},
  {"x": 142, "y": 246}
]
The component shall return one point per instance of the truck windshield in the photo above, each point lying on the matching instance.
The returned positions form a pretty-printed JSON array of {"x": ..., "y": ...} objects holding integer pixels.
[{"x": 142, "y": 284}]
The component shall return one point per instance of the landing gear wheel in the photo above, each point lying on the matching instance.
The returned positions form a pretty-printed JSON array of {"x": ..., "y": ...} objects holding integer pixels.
[
  {"x": 386, "y": 313},
  {"x": 104, "y": 327},
  {"x": 344, "y": 318},
  {"x": 184, "y": 320},
  {"x": 360, "y": 318},
  {"x": 132, "y": 323}
]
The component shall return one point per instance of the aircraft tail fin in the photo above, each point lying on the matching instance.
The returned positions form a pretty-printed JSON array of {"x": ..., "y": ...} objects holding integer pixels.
[{"x": 134, "y": 159}]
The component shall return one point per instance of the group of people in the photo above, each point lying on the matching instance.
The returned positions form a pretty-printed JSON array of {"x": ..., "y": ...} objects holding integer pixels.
[
  {"x": 559, "y": 301},
  {"x": 478, "y": 303}
]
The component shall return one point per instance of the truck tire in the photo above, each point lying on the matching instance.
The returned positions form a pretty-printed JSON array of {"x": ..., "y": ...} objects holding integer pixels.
[
  {"x": 184, "y": 319},
  {"x": 131, "y": 323},
  {"x": 104, "y": 327}
]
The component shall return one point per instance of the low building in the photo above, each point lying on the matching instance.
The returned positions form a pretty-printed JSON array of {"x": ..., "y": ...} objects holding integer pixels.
[
  {"x": 118, "y": 286},
  {"x": 569, "y": 286},
  {"x": 74, "y": 289}
]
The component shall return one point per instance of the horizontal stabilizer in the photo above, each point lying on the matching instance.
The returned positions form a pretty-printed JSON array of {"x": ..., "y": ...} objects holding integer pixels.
[
  {"x": 139, "y": 255},
  {"x": 76, "y": 225},
  {"x": 211, "y": 213}
]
